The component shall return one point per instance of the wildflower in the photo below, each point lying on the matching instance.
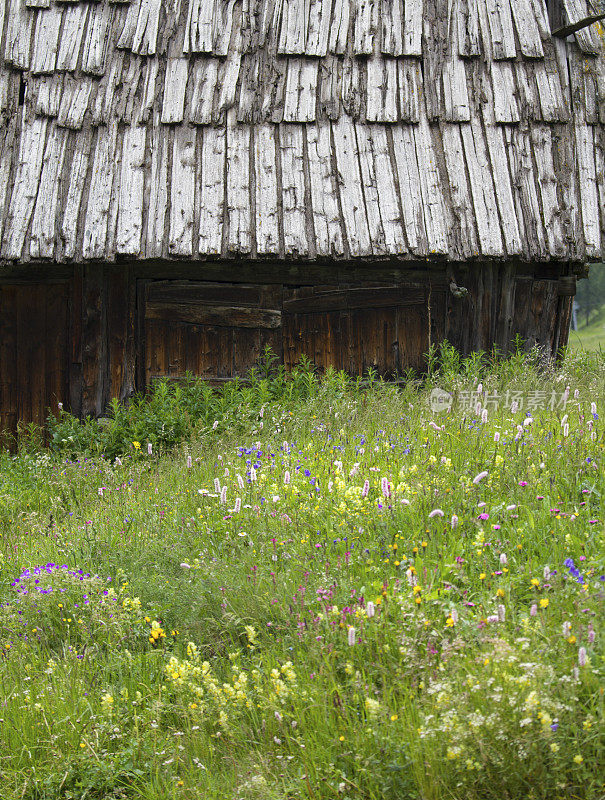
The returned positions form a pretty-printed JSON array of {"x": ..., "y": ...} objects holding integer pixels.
[
  {"x": 189, "y": 462},
  {"x": 501, "y": 612},
  {"x": 484, "y": 415},
  {"x": 215, "y": 425},
  {"x": 554, "y": 747},
  {"x": 503, "y": 559},
  {"x": 566, "y": 629},
  {"x": 351, "y": 636},
  {"x": 394, "y": 717},
  {"x": 238, "y": 505},
  {"x": 497, "y": 437},
  {"x": 492, "y": 619},
  {"x": 533, "y": 610},
  {"x": 217, "y": 486},
  {"x": 366, "y": 488},
  {"x": 136, "y": 445},
  {"x": 544, "y": 602},
  {"x": 107, "y": 702},
  {"x": 566, "y": 430},
  {"x": 149, "y": 449},
  {"x": 370, "y": 609},
  {"x": 482, "y": 576},
  {"x": 478, "y": 478},
  {"x": 591, "y": 634},
  {"x": 286, "y": 478},
  {"x": 449, "y": 622},
  {"x": 578, "y": 759},
  {"x": 384, "y": 485},
  {"x": 436, "y": 512},
  {"x": 224, "y": 495},
  {"x": 240, "y": 481},
  {"x": 454, "y": 521},
  {"x": 546, "y": 573},
  {"x": 582, "y": 656},
  {"x": 454, "y": 615}
]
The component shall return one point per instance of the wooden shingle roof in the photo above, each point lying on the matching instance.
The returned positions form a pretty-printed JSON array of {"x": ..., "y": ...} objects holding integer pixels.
[{"x": 456, "y": 129}]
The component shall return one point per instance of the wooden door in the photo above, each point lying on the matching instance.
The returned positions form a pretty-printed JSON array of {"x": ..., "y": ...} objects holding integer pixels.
[
  {"x": 215, "y": 330},
  {"x": 382, "y": 327},
  {"x": 34, "y": 351}
]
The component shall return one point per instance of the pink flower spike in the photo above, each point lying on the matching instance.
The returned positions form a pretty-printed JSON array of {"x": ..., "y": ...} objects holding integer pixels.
[
  {"x": 454, "y": 520},
  {"x": 533, "y": 611},
  {"x": 478, "y": 478},
  {"x": 366, "y": 488},
  {"x": 351, "y": 636},
  {"x": 497, "y": 437},
  {"x": 436, "y": 512},
  {"x": 582, "y": 656}
]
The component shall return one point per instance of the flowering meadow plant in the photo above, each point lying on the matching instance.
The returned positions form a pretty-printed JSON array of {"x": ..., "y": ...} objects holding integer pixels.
[{"x": 343, "y": 594}]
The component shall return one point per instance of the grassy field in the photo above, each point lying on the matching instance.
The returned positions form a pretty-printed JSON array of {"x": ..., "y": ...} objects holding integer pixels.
[
  {"x": 590, "y": 337},
  {"x": 330, "y": 593}
]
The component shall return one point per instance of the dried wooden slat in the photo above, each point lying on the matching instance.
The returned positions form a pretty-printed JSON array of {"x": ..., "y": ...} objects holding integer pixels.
[
  {"x": 182, "y": 192},
  {"x": 99, "y": 197},
  {"x": 351, "y": 194},
  {"x": 95, "y": 43},
  {"x": 37, "y": 3},
  {"x": 467, "y": 20},
  {"x": 130, "y": 203},
  {"x": 212, "y": 191},
  {"x": 550, "y": 93},
  {"x": 339, "y": 28},
  {"x": 7, "y": 148},
  {"x": 104, "y": 99},
  {"x": 46, "y": 41},
  {"x": 541, "y": 138},
  {"x": 588, "y": 189},
  {"x": 74, "y": 25},
  {"x": 145, "y": 37},
  {"x": 48, "y": 94},
  {"x": 78, "y": 166},
  {"x": 455, "y": 92},
  {"x": 410, "y": 192},
  {"x": 384, "y": 215},
  {"x": 199, "y": 33},
  {"x": 391, "y": 25},
  {"x": 128, "y": 31},
  {"x": 435, "y": 213},
  {"x": 519, "y": 148},
  {"x": 18, "y": 40},
  {"x": 266, "y": 217},
  {"x": 319, "y": 27},
  {"x": 412, "y": 27},
  {"x": 506, "y": 109},
  {"x": 301, "y": 90},
  {"x": 527, "y": 91},
  {"x": 223, "y": 27},
  {"x": 42, "y": 241},
  {"x": 293, "y": 189},
  {"x": 25, "y": 189},
  {"x": 381, "y": 95},
  {"x": 205, "y": 74},
  {"x": 175, "y": 83},
  {"x": 599, "y": 149},
  {"x": 504, "y": 194},
  {"x": 482, "y": 189},
  {"x": 540, "y": 12},
  {"x": 148, "y": 98},
  {"x": 528, "y": 31},
  {"x": 365, "y": 23},
  {"x": 238, "y": 187},
  {"x": 227, "y": 79},
  {"x": 410, "y": 89},
  {"x": 501, "y": 29},
  {"x": 352, "y": 96},
  {"x": 330, "y": 87},
  {"x": 293, "y": 33},
  {"x": 74, "y": 102},
  {"x": 462, "y": 206},
  {"x": 326, "y": 217},
  {"x": 587, "y": 38},
  {"x": 156, "y": 187}
]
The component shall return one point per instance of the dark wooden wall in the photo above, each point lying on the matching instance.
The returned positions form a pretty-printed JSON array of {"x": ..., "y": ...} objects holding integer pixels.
[{"x": 104, "y": 331}]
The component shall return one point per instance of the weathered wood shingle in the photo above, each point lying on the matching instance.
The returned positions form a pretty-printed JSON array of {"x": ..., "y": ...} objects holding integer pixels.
[{"x": 299, "y": 129}]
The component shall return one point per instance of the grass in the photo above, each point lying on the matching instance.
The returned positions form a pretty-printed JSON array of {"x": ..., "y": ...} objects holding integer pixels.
[
  {"x": 590, "y": 337},
  {"x": 335, "y": 593}
]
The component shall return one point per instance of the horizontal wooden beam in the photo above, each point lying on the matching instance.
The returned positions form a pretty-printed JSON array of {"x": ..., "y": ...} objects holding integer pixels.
[
  {"x": 567, "y": 30},
  {"x": 221, "y": 316}
]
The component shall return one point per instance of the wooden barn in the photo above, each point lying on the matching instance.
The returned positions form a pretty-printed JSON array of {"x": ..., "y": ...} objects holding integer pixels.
[{"x": 183, "y": 182}]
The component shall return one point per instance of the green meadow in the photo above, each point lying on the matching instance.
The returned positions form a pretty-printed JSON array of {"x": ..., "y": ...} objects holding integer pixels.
[{"x": 299, "y": 588}]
